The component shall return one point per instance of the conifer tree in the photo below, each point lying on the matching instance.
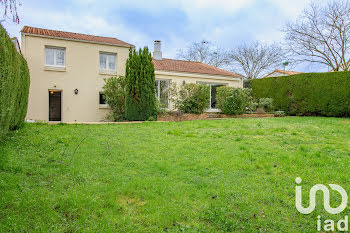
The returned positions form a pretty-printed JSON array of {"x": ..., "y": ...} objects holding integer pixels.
[{"x": 140, "y": 99}]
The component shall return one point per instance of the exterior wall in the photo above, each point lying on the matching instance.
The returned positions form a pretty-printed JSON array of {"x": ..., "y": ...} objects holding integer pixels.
[
  {"x": 179, "y": 77},
  {"x": 81, "y": 72}
]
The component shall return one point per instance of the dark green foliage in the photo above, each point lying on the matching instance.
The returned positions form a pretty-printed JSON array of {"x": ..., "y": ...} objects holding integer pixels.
[
  {"x": 247, "y": 84},
  {"x": 234, "y": 101},
  {"x": 114, "y": 90},
  {"x": 323, "y": 94},
  {"x": 14, "y": 85},
  {"x": 193, "y": 98},
  {"x": 140, "y": 99}
]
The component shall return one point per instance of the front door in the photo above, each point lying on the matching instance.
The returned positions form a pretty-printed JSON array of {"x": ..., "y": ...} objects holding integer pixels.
[{"x": 55, "y": 103}]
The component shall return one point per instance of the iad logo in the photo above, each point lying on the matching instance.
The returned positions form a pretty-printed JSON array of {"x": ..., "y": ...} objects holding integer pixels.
[
  {"x": 327, "y": 225},
  {"x": 325, "y": 190}
]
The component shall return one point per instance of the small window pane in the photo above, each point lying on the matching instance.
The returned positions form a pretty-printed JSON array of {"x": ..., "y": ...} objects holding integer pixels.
[
  {"x": 102, "y": 98},
  {"x": 103, "y": 62},
  {"x": 49, "y": 56},
  {"x": 111, "y": 62},
  {"x": 60, "y": 57}
]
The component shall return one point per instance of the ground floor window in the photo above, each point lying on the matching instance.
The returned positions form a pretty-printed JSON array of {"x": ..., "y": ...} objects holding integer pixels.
[
  {"x": 162, "y": 92},
  {"x": 102, "y": 99},
  {"x": 213, "y": 91}
]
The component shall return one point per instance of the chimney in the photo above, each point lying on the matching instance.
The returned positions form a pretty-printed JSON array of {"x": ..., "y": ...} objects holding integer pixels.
[{"x": 157, "y": 53}]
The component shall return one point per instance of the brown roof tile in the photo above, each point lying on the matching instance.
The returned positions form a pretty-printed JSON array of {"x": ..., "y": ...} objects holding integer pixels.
[
  {"x": 73, "y": 36},
  {"x": 283, "y": 72},
  {"x": 190, "y": 67}
]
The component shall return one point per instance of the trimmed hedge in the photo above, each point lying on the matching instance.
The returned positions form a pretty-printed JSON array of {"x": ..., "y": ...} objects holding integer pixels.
[
  {"x": 14, "y": 85},
  {"x": 321, "y": 94}
]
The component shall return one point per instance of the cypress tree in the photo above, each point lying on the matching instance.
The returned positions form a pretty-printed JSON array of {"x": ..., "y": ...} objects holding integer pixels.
[{"x": 140, "y": 99}]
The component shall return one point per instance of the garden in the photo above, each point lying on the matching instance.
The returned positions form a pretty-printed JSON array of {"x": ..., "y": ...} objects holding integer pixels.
[{"x": 230, "y": 175}]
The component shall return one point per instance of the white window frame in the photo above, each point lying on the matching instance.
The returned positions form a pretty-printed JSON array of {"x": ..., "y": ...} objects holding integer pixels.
[
  {"x": 158, "y": 90},
  {"x": 102, "y": 105},
  {"x": 55, "y": 57},
  {"x": 107, "y": 70},
  {"x": 210, "y": 109}
]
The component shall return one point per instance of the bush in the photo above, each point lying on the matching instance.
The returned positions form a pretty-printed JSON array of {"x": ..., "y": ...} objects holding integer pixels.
[
  {"x": 234, "y": 101},
  {"x": 323, "y": 94},
  {"x": 280, "y": 114},
  {"x": 14, "y": 85},
  {"x": 266, "y": 104},
  {"x": 193, "y": 98},
  {"x": 114, "y": 90},
  {"x": 140, "y": 99}
]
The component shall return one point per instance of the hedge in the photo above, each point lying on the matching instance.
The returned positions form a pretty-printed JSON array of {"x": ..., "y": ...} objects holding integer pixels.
[
  {"x": 14, "y": 85},
  {"x": 320, "y": 94}
]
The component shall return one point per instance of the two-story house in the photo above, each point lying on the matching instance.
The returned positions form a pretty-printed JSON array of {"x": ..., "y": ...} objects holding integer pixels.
[{"x": 68, "y": 69}]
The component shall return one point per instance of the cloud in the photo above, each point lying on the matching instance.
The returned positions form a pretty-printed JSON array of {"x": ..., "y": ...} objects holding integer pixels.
[{"x": 177, "y": 23}]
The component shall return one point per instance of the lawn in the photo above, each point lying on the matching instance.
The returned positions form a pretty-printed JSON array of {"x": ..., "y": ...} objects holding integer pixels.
[{"x": 232, "y": 175}]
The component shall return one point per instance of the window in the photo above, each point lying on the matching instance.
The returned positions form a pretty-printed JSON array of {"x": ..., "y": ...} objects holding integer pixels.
[
  {"x": 108, "y": 62},
  {"x": 55, "y": 56},
  {"x": 213, "y": 87},
  {"x": 162, "y": 92},
  {"x": 102, "y": 99}
]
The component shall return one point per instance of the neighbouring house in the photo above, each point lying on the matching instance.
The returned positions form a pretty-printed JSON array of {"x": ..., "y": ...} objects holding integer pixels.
[
  {"x": 279, "y": 73},
  {"x": 68, "y": 70}
]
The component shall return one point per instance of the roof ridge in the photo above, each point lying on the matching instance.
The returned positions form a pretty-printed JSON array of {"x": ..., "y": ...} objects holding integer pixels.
[
  {"x": 77, "y": 33},
  {"x": 67, "y": 32}
]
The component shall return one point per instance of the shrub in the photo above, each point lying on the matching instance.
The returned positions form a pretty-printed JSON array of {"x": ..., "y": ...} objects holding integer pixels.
[
  {"x": 114, "y": 90},
  {"x": 280, "y": 114},
  {"x": 324, "y": 94},
  {"x": 193, "y": 98},
  {"x": 234, "y": 101},
  {"x": 266, "y": 104},
  {"x": 140, "y": 99},
  {"x": 14, "y": 85}
]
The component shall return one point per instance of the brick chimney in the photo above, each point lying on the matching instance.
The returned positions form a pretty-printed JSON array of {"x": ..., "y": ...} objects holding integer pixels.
[{"x": 157, "y": 53}]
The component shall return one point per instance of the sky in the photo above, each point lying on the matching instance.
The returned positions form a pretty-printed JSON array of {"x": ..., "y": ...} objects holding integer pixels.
[{"x": 177, "y": 23}]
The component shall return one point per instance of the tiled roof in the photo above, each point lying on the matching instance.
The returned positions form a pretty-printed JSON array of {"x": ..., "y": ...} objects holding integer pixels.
[
  {"x": 73, "y": 36},
  {"x": 283, "y": 72},
  {"x": 190, "y": 67}
]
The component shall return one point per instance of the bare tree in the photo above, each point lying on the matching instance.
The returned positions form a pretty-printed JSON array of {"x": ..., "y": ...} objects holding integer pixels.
[
  {"x": 256, "y": 59},
  {"x": 322, "y": 35},
  {"x": 205, "y": 52},
  {"x": 9, "y": 10}
]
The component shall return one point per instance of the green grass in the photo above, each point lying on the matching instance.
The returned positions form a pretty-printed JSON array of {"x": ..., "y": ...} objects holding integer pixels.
[{"x": 234, "y": 175}]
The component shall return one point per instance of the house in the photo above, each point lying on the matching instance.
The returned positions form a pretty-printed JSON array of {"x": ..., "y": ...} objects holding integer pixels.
[
  {"x": 279, "y": 73},
  {"x": 68, "y": 70}
]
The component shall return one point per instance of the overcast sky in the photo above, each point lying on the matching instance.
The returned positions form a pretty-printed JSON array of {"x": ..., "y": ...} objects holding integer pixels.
[{"x": 176, "y": 23}]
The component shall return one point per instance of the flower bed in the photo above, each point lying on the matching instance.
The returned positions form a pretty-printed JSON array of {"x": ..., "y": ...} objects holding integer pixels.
[{"x": 177, "y": 116}]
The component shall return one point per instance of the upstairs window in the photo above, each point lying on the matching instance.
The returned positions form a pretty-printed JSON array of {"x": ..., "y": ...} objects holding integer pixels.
[
  {"x": 108, "y": 62},
  {"x": 55, "y": 57}
]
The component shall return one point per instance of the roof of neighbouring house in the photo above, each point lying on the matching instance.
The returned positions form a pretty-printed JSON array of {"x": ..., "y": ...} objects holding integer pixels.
[
  {"x": 190, "y": 67},
  {"x": 283, "y": 72},
  {"x": 73, "y": 36}
]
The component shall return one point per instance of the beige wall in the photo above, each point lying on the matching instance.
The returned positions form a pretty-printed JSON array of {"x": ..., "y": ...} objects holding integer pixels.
[{"x": 81, "y": 72}]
